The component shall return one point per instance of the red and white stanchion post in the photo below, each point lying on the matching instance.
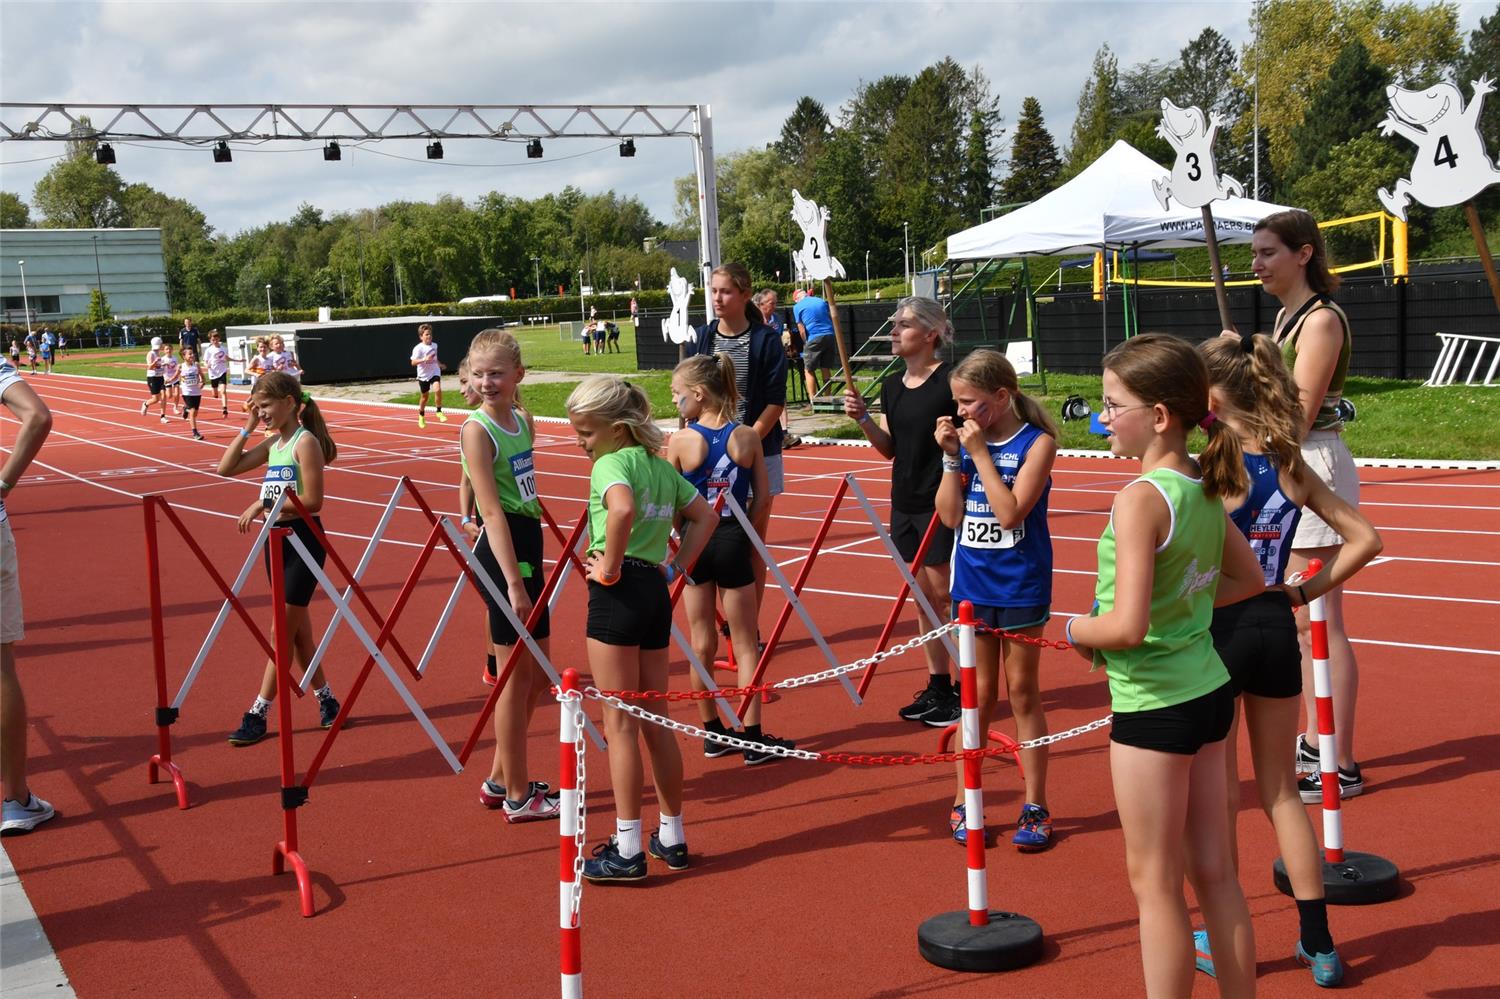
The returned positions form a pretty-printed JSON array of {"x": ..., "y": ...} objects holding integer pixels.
[
  {"x": 1349, "y": 878},
  {"x": 570, "y": 839},
  {"x": 976, "y": 939}
]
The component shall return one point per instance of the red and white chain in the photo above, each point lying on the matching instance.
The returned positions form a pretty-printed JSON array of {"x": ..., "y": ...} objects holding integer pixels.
[
  {"x": 859, "y": 664},
  {"x": 580, "y": 837},
  {"x": 693, "y": 730},
  {"x": 1047, "y": 740}
]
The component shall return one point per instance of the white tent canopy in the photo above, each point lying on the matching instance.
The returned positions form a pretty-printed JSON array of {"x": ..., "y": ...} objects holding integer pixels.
[{"x": 1109, "y": 204}]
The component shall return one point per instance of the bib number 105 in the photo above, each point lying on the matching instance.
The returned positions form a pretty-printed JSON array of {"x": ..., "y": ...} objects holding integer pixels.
[{"x": 987, "y": 533}]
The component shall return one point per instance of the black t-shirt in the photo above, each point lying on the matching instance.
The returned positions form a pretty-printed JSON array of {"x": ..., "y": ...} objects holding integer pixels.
[{"x": 911, "y": 415}]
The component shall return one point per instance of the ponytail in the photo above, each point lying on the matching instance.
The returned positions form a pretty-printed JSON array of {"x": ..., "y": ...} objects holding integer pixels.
[
  {"x": 715, "y": 375},
  {"x": 1222, "y": 462},
  {"x": 313, "y": 422},
  {"x": 1252, "y": 379},
  {"x": 280, "y": 385},
  {"x": 990, "y": 371}
]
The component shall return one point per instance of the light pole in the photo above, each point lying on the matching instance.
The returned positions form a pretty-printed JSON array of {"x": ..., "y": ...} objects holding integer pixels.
[
  {"x": 582, "y": 316},
  {"x": 98, "y": 277},
  {"x": 906, "y": 253},
  {"x": 25, "y": 304},
  {"x": 269, "y": 318},
  {"x": 537, "y": 263},
  {"x": 867, "y": 275}
]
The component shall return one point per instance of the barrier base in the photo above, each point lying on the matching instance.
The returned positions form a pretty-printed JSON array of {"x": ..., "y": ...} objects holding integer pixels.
[
  {"x": 284, "y": 856},
  {"x": 1007, "y": 942},
  {"x": 999, "y": 739},
  {"x": 155, "y": 765},
  {"x": 1359, "y": 879}
]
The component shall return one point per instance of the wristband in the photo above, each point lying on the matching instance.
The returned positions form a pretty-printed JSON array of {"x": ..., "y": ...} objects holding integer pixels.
[
  {"x": 609, "y": 580},
  {"x": 673, "y": 569},
  {"x": 1068, "y": 631},
  {"x": 6, "y": 486},
  {"x": 867, "y": 418},
  {"x": 244, "y": 435},
  {"x": 467, "y": 520},
  {"x": 951, "y": 464},
  {"x": 1303, "y": 594}
]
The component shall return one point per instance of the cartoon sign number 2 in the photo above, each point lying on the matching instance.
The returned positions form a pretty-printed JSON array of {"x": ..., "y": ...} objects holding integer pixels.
[{"x": 1451, "y": 165}]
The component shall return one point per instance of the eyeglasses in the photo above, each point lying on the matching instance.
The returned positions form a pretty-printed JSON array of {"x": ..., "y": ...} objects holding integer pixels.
[{"x": 1111, "y": 409}]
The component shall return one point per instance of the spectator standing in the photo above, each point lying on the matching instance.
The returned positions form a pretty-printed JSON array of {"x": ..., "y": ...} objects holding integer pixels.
[
  {"x": 819, "y": 352},
  {"x": 187, "y": 337}
]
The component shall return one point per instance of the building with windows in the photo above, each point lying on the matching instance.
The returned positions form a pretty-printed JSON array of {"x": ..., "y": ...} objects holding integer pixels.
[{"x": 62, "y": 267}]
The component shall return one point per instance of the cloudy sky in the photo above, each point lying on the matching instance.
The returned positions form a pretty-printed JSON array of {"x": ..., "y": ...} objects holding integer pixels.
[{"x": 749, "y": 61}]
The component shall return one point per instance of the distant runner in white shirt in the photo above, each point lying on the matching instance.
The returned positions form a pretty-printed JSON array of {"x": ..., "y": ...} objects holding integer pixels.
[
  {"x": 155, "y": 383},
  {"x": 216, "y": 360},
  {"x": 424, "y": 357}
]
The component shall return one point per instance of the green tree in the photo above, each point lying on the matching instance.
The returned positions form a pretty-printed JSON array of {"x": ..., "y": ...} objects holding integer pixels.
[
  {"x": 1350, "y": 102},
  {"x": 1481, "y": 57},
  {"x": 183, "y": 229},
  {"x": 79, "y": 193},
  {"x": 98, "y": 313},
  {"x": 1204, "y": 75},
  {"x": 1098, "y": 113},
  {"x": 14, "y": 212},
  {"x": 1034, "y": 163},
  {"x": 803, "y": 134},
  {"x": 1344, "y": 184}
]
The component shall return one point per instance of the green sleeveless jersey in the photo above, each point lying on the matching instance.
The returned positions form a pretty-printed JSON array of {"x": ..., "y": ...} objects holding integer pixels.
[
  {"x": 1328, "y": 417},
  {"x": 1177, "y": 661},
  {"x": 283, "y": 472},
  {"x": 513, "y": 468}
]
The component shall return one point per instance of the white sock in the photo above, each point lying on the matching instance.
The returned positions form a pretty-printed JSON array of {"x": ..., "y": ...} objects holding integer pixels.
[
  {"x": 324, "y": 692},
  {"x": 671, "y": 830},
  {"x": 260, "y": 707},
  {"x": 628, "y": 834}
]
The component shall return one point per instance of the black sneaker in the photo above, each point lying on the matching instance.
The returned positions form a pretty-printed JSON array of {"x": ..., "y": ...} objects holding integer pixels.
[
  {"x": 713, "y": 750},
  {"x": 676, "y": 857},
  {"x": 1307, "y": 756},
  {"x": 608, "y": 865},
  {"x": 328, "y": 710},
  {"x": 1351, "y": 785},
  {"x": 755, "y": 757},
  {"x": 927, "y": 699},
  {"x": 252, "y": 729},
  {"x": 947, "y": 711}
]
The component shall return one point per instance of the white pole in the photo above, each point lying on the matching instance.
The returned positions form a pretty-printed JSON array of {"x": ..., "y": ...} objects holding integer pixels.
[
  {"x": 25, "y": 304},
  {"x": 1255, "y": 130},
  {"x": 906, "y": 253},
  {"x": 269, "y": 318},
  {"x": 708, "y": 205},
  {"x": 582, "y": 317},
  {"x": 867, "y": 275},
  {"x": 537, "y": 263}
]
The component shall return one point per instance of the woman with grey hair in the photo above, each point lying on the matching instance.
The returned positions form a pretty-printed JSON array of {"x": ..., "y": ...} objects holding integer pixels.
[{"x": 911, "y": 401}]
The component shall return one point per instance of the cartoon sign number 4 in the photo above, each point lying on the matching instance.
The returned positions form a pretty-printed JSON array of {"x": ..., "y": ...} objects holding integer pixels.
[{"x": 1451, "y": 165}]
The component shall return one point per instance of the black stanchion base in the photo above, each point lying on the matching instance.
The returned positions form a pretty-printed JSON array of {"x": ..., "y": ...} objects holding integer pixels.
[
  {"x": 1007, "y": 942},
  {"x": 1359, "y": 879}
]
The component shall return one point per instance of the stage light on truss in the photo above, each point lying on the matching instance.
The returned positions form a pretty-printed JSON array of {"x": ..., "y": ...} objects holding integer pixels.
[
  {"x": 104, "y": 154},
  {"x": 332, "y": 151},
  {"x": 627, "y": 147},
  {"x": 221, "y": 152},
  {"x": 534, "y": 149},
  {"x": 434, "y": 150}
]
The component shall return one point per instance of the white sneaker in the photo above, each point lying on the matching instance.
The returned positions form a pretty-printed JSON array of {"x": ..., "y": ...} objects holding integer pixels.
[
  {"x": 21, "y": 818},
  {"x": 539, "y": 804}
]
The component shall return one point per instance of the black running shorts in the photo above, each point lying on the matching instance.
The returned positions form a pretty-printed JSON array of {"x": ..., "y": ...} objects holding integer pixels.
[
  {"x": 1257, "y": 639},
  {"x": 635, "y": 610},
  {"x": 1181, "y": 728},
  {"x": 526, "y": 537}
]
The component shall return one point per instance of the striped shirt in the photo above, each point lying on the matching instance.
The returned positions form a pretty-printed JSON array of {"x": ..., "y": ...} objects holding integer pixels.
[{"x": 738, "y": 349}]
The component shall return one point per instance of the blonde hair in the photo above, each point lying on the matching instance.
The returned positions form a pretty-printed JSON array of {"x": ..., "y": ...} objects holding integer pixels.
[
  {"x": 280, "y": 385},
  {"x": 990, "y": 371},
  {"x": 499, "y": 343},
  {"x": 620, "y": 404},
  {"x": 1253, "y": 380},
  {"x": 715, "y": 375}
]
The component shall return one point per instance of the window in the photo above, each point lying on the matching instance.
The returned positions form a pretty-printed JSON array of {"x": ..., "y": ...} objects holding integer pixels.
[{"x": 40, "y": 305}]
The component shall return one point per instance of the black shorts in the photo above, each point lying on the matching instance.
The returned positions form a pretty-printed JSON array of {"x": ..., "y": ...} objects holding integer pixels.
[
  {"x": 1257, "y": 639},
  {"x": 1009, "y": 618},
  {"x": 155, "y": 383},
  {"x": 821, "y": 353},
  {"x": 218, "y": 380},
  {"x": 1182, "y": 728},
  {"x": 728, "y": 560},
  {"x": 426, "y": 384},
  {"x": 296, "y": 577},
  {"x": 907, "y": 530},
  {"x": 191, "y": 401},
  {"x": 526, "y": 537},
  {"x": 636, "y": 610}
]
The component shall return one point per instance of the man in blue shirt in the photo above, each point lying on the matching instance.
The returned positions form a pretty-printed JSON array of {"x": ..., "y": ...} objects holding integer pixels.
[
  {"x": 819, "y": 352},
  {"x": 188, "y": 336}
]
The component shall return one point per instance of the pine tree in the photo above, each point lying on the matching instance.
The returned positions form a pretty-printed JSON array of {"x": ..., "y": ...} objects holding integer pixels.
[
  {"x": 803, "y": 133},
  {"x": 1098, "y": 104},
  {"x": 1034, "y": 163},
  {"x": 1348, "y": 104}
]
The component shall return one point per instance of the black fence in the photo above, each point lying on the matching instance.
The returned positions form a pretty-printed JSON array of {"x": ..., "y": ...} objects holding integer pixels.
[{"x": 377, "y": 348}]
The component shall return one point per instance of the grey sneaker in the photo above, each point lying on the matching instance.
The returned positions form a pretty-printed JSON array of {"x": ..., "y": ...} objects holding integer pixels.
[{"x": 19, "y": 818}]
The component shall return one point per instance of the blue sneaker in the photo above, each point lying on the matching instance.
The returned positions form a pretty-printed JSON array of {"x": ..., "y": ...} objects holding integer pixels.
[
  {"x": 1327, "y": 969},
  {"x": 1033, "y": 829},
  {"x": 608, "y": 865},
  {"x": 1202, "y": 956},
  {"x": 675, "y": 857},
  {"x": 956, "y": 825}
]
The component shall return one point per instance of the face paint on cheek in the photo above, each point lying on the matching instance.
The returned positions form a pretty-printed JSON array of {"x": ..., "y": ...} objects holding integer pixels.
[
  {"x": 682, "y": 402},
  {"x": 980, "y": 411}
]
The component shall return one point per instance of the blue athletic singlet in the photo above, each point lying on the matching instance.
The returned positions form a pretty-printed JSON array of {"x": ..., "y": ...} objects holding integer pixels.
[
  {"x": 993, "y": 566},
  {"x": 719, "y": 471},
  {"x": 1267, "y": 518}
]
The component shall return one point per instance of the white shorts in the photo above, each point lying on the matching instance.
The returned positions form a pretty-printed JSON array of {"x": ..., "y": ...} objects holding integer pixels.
[
  {"x": 776, "y": 473},
  {"x": 1329, "y": 459},
  {"x": 11, "y": 628}
]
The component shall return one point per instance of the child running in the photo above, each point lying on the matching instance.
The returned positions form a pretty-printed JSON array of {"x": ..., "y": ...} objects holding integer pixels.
[
  {"x": 424, "y": 357},
  {"x": 255, "y": 366},
  {"x": 472, "y": 522},
  {"x": 171, "y": 381},
  {"x": 1254, "y": 398},
  {"x": 192, "y": 389},
  {"x": 295, "y": 459},
  {"x": 1165, "y": 559},
  {"x": 496, "y": 446},
  {"x": 634, "y": 497},
  {"x": 216, "y": 361},
  {"x": 721, "y": 455},
  {"x": 155, "y": 383},
  {"x": 1002, "y": 557}
]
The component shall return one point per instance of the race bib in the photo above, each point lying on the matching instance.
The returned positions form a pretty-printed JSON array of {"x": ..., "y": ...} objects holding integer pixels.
[
  {"x": 986, "y": 532},
  {"x": 279, "y": 478},
  {"x": 524, "y": 472}
]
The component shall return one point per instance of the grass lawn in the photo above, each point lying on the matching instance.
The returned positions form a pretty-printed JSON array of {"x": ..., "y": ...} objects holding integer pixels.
[{"x": 548, "y": 398}]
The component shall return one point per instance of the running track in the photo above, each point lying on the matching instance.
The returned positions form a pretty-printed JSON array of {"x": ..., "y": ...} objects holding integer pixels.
[{"x": 809, "y": 880}]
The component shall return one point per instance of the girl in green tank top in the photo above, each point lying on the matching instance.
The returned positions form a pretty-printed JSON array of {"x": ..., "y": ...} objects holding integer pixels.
[{"x": 1164, "y": 560}]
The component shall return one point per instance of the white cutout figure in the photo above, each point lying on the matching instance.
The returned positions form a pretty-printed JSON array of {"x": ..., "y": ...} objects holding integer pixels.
[
  {"x": 1451, "y": 165},
  {"x": 813, "y": 261},
  {"x": 1195, "y": 179},
  {"x": 676, "y": 328}
]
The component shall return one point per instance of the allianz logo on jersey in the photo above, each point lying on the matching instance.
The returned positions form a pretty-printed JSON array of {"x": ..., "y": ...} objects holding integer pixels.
[
  {"x": 1194, "y": 581},
  {"x": 657, "y": 511},
  {"x": 977, "y": 507}
]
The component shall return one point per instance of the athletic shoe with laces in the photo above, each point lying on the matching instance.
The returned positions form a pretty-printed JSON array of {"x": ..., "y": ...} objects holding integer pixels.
[
  {"x": 491, "y": 795},
  {"x": 755, "y": 757},
  {"x": 1307, "y": 756},
  {"x": 713, "y": 750},
  {"x": 926, "y": 699},
  {"x": 328, "y": 710},
  {"x": 145, "y": 408},
  {"x": 607, "y": 865},
  {"x": 947, "y": 711},
  {"x": 1327, "y": 969},
  {"x": 163, "y": 419},
  {"x": 956, "y": 825},
  {"x": 22, "y": 818},
  {"x": 1351, "y": 785},
  {"x": 1033, "y": 829},
  {"x": 252, "y": 729},
  {"x": 539, "y": 804},
  {"x": 197, "y": 436},
  {"x": 421, "y": 422},
  {"x": 675, "y": 857},
  {"x": 442, "y": 416},
  {"x": 1203, "y": 956}
]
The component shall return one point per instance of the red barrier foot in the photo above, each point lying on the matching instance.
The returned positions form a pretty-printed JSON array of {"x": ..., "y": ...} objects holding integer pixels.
[
  {"x": 1000, "y": 739},
  {"x": 153, "y": 772},
  {"x": 284, "y": 856}
]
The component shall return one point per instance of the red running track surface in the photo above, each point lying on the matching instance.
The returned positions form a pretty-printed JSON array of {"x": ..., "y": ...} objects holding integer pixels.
[{"x": 809, "y": 879}]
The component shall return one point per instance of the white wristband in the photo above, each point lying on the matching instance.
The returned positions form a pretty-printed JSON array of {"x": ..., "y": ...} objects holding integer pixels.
[
  {"x": 6, "y": 486},
  {"x": 951, "y": 464}
]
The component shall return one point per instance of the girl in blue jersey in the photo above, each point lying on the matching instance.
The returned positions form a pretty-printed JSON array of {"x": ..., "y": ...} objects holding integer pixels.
[
  {"x": 634, "y": 497},
  {"x": 1168, "y": 555},
  {"x": 1252, "y": 394},
  {"x": 997, "y": 472},
  {"x": 716, "y": 455},
  {"x": 295, "y": 456}
]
